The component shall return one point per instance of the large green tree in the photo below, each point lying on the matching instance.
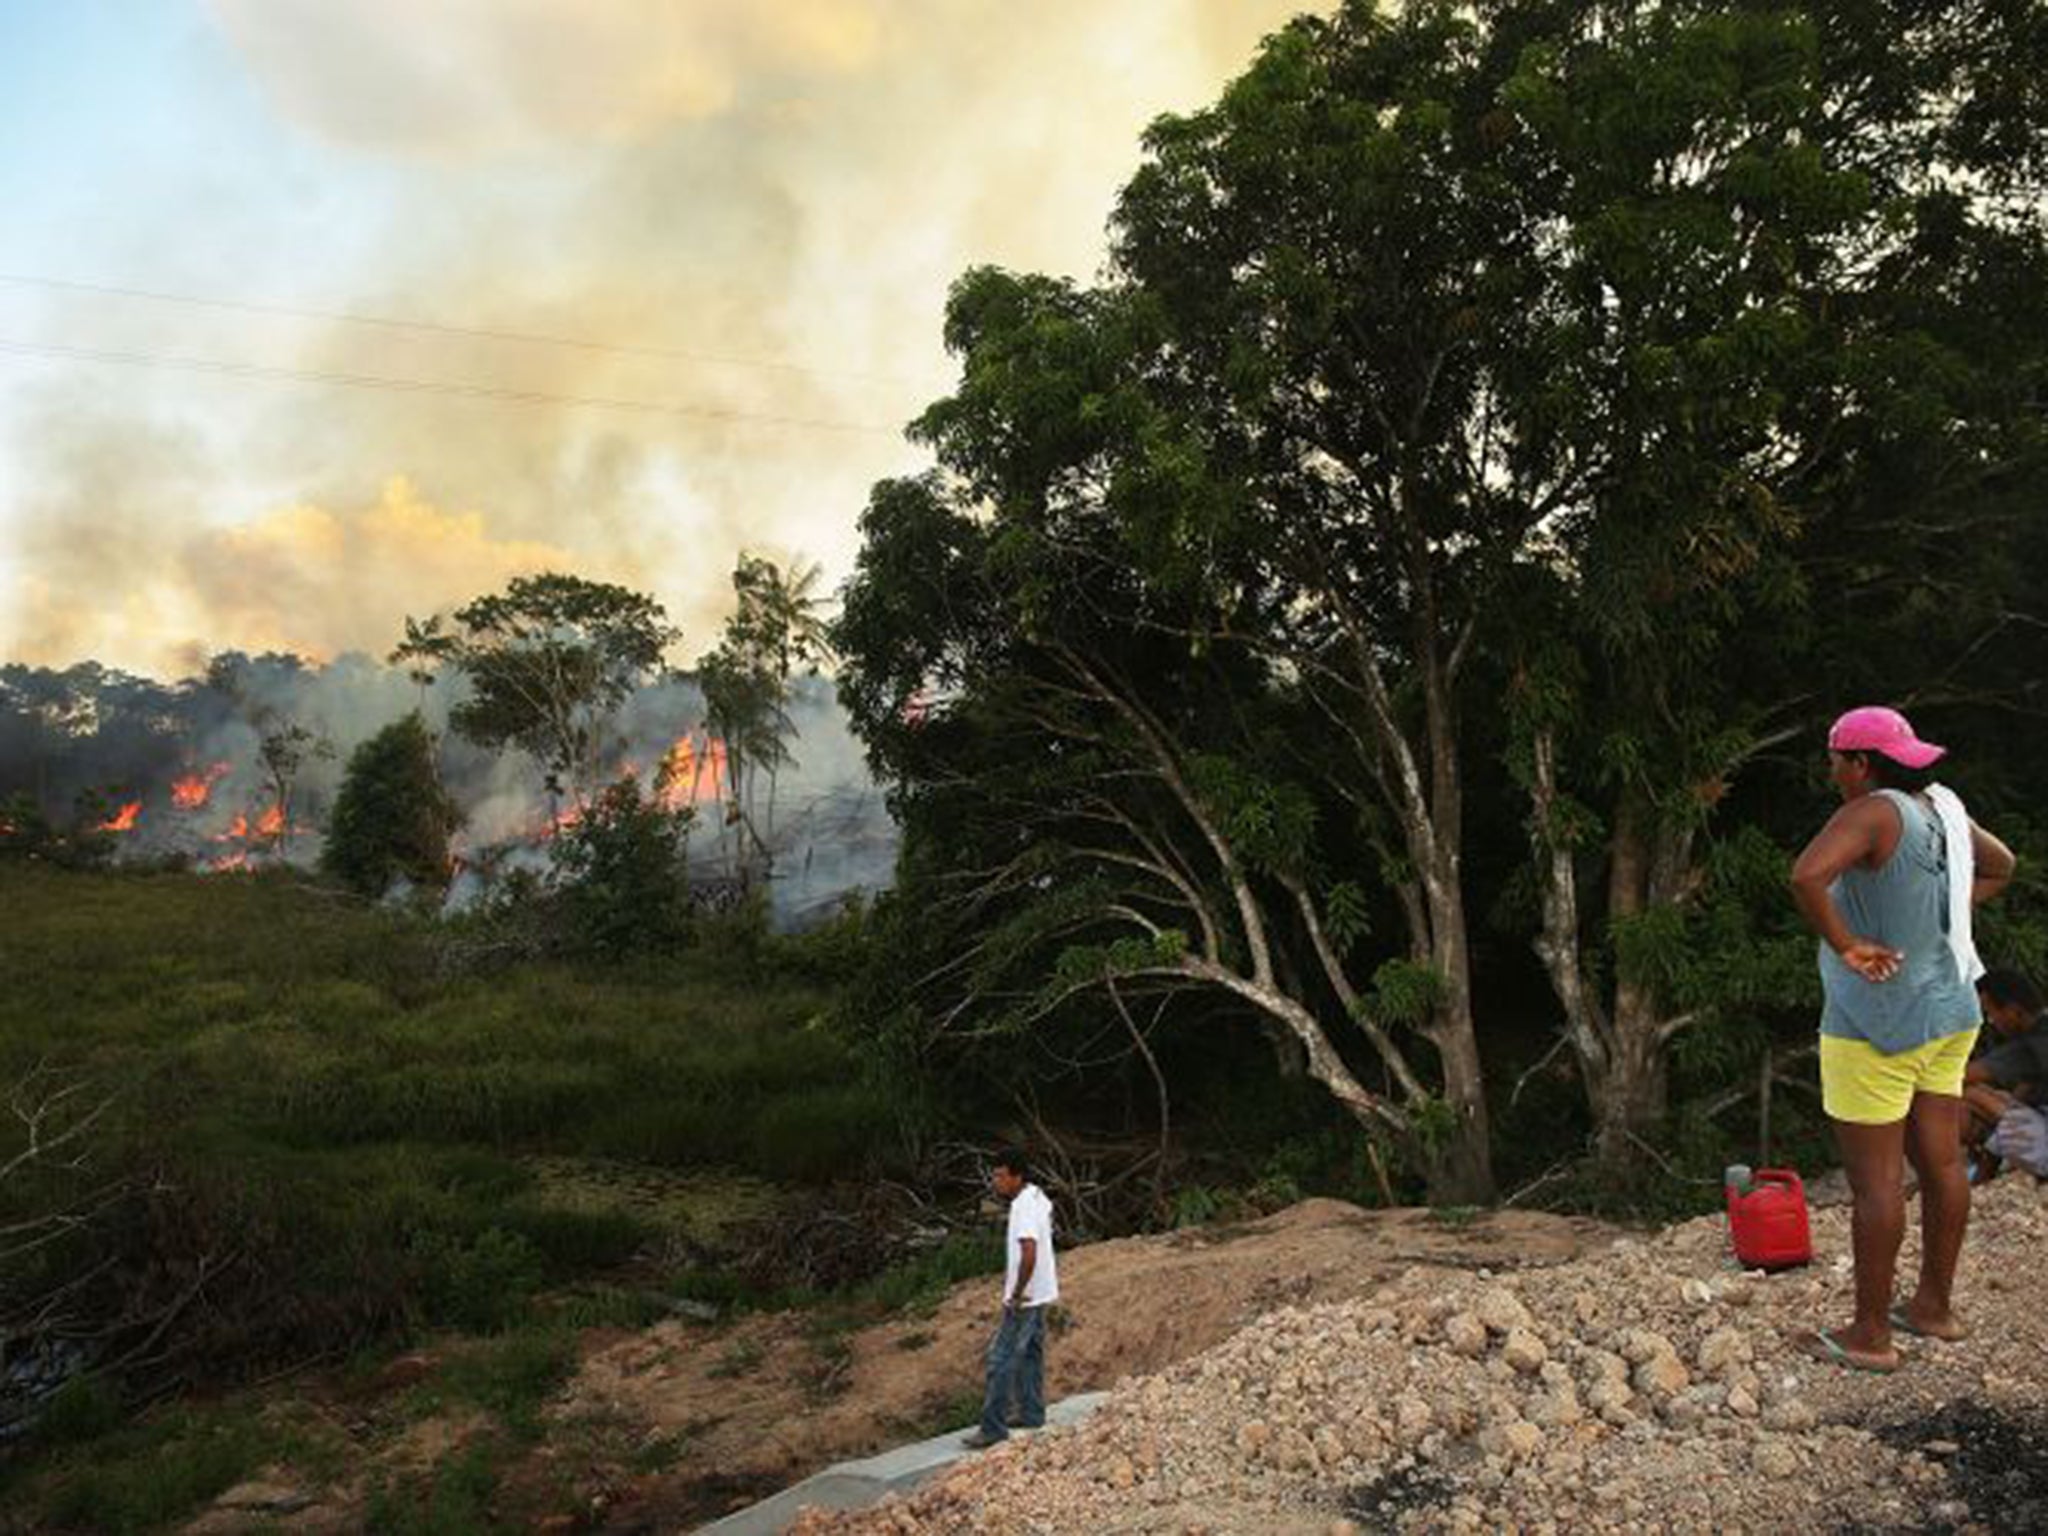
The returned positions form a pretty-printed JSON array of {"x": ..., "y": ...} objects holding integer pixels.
[
  {"x": 1784, "y": 316},
  {"x": 1554, "y": 355},
  {"x": 1282, "y": 429},
  {"x": 548, "y": 661}
]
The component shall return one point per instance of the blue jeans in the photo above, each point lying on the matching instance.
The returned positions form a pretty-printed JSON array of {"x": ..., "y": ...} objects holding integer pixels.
[{"x": 1016, "y": 1368}]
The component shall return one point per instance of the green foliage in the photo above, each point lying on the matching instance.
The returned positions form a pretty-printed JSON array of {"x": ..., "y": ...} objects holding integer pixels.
[
  {"x": 152, "y": 1473},
  {"x": 918, "y": 1284},
  {"x": 454, "y": 1499},
  {"x": 1432, "y": 1122},
  {"x": 510, "y": 1377},
  {"x": 775, "y": 628},
  {"x": 365, "y": 1146},
  {"x": 1404, "y": 992},
  {"x": 392, "y": 818},
  {"x": 481, "y": 1284},
  {"x": 25, "y": 832},
  {"x": 547, "y": 661},
  {"x": 1195, "y": 1205},
  {"x": 623, "y": 889},
  {"x": 1346, "y": 915},
  {"x": 1273, "y": 824}
]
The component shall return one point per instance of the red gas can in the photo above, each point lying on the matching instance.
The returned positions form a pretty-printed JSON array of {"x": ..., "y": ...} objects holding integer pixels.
[{"x": 1767, "y": 1221}]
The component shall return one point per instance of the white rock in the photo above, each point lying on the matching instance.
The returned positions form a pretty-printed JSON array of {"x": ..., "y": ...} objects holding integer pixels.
[
  {"x": 1524, "y": 1351},
  {"x": 1502, "y": 1310},
  {"x": 1640, "y": 1344},
  {"x": 1723, "y": 1350},
  {"x": 1790, "y": 1414},
  {"x": 1774, "y": 1458},
  {"x": 1662, "y": 1375},
  {"x": 1465, "y": 1334}
]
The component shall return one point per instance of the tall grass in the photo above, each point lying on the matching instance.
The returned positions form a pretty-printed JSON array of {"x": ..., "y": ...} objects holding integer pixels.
[{"x": 306, "y": 1093}]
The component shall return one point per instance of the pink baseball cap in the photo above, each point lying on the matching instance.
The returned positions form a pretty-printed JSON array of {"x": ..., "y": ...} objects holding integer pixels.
[{"x": 1873, "y": 728}]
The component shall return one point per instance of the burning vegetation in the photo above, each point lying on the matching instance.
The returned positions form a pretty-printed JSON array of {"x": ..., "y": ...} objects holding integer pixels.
[{"x": 241, "y": 768}]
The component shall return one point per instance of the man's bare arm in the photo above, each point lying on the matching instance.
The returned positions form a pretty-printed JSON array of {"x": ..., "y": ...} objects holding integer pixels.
[{"x": 1027, "y": 1260}]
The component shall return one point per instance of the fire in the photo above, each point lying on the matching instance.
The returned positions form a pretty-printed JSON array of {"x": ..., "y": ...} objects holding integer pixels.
[
  {"x": 688, "y": 777},
  {"x": 559, "y": 823},
  {"x": 268, "y": 825},
  {"x": 192, "y": 791},
  {"x": 122, "y": 820}
]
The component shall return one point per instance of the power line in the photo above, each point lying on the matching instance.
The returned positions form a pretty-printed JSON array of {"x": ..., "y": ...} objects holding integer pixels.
[
  {"x": 502, "y": 393},
  {"x": 469, "y": 332}
]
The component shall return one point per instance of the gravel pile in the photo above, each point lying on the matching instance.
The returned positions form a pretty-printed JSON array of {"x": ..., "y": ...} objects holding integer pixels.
[{"x": 1649, "y": 1386}]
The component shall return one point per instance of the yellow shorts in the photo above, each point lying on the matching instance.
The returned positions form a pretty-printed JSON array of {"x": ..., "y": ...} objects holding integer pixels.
[{"x": 1862, "y": 1085}]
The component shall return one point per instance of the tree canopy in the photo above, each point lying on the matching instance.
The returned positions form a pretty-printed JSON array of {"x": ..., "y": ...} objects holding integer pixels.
[{"x": 1515, "y": 397}]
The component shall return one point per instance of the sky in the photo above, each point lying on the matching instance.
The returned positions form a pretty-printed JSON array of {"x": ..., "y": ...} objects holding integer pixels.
[{"x": 670, "y": 273}]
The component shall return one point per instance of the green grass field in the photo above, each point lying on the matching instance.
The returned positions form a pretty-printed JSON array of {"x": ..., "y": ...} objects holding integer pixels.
[{"x": 360, "y": 1144}]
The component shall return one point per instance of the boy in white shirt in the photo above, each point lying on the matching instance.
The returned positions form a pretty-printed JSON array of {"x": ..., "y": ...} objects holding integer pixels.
[{"x": 1031, "y": 1284}]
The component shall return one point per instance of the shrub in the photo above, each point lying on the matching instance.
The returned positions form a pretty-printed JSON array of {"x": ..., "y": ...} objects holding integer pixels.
[
  {"x": 482, "y": 1284},
  {"x": 623, "y": 888},
  {"x": 392, "y": 818}
]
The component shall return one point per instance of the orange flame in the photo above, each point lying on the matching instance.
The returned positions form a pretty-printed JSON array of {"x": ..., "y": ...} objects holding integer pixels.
[
  {"x": 122, "y": 820},
  {"x": 688, "y": 777},
  {"x": 192, "y": 791}
]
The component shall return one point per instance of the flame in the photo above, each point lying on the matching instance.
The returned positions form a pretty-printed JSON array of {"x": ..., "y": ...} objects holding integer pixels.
[
  {"x": 228, "y": 862},
  {"x": 122, "y": 820},
  {"x": 267, "y": 826},
  {"x": 191, "y": 792},
  {"x": 687, "y": 777}
]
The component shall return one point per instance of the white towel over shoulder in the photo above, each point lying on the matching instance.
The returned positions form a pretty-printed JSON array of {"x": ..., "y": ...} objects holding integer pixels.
[{"x": 1962, "y": 874}]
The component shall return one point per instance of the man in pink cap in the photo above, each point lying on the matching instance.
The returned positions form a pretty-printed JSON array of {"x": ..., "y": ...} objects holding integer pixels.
[{"x": 1888, "y": 884}]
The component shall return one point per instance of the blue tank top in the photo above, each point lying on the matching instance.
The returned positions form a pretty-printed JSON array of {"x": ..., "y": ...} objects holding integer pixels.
[{"x": 1903, "y": 904}]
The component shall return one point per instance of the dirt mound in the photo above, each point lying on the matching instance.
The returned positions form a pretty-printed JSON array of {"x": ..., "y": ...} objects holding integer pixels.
[
  {"x": 1646, "y": 1386},
  {"x": 757, "y": 1406}
]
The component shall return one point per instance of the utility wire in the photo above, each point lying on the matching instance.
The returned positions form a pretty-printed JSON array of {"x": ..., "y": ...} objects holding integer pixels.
[
  {"x": 470, "y": 332},
  {"x": 428, "y": 386}
]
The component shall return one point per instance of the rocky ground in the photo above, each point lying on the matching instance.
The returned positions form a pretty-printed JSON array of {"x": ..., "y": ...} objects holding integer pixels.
[
  {"x": 766, "y": 1402},
  {"x": 1651, "y": 1385},
  {"x": 660, "y": 1429}
]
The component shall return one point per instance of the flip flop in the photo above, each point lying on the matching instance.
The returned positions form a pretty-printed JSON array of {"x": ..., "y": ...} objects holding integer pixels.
[
  {"x": 1905, "y": 1324},
  {"x": 1821, "y": 1345}
]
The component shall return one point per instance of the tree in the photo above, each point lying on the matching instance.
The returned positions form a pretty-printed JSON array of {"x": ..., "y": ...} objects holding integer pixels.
[
  {"x": 547, "y": 661},
  {"x": 392, "y": 819},
  {"x": 775, "y": 628},
  {"x": 1782, "y": 316},
  {"x": 1284, "y": 416},
  {"x": 624, "y": 890},
  {"x": 283, "y": 750}
]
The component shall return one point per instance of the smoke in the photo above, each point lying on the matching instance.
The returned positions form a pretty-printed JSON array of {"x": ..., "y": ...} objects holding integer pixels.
[
  {"x": 187, "y": 756},
  {"x": 726, "y": 185}
]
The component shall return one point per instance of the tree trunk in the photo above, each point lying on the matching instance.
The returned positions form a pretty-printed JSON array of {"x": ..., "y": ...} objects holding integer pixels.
[
  {"x": 1629, "y": 1097},
  {"x": 1459, "y": 1169}
]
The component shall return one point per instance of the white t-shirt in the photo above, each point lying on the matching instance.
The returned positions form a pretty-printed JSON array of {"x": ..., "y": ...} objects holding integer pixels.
[{"x": 1031, "y": 1216}]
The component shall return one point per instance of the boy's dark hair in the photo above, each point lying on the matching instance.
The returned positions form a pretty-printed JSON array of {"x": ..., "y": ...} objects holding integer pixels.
[
  {"x": 2009, "y": 989},
  {"x": 1893, "y": 775},
  {"x": 1010, "y": 1160}
]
